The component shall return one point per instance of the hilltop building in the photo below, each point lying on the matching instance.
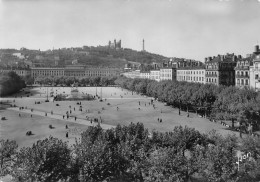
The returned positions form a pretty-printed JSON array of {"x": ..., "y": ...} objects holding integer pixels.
[{"x": 115, "y": 44}]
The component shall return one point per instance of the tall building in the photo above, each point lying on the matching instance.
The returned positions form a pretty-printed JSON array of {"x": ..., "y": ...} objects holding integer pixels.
[
  {"x": 255, "y": 70},
  {"x": 242, "y": 72},
  {"x": 220, "y": 69}
]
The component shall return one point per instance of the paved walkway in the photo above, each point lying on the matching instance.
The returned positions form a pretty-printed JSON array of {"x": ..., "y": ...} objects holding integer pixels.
[{"x": 60, "y": 117}]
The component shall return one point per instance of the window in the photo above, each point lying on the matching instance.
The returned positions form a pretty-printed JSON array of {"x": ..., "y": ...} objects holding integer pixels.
[
  {"x": 242, "y": 82},
  {"x": 246, "y": 82},
  {"x": 238, "y": 81}
]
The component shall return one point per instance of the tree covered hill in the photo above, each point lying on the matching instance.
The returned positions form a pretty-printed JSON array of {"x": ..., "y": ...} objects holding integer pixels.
[
  {"x": 93, "y": 56},
  {"x": 127, "y": 54}
]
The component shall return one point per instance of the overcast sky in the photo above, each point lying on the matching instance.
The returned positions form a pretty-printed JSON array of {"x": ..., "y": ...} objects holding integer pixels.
[{"x": 173, "y": 28}]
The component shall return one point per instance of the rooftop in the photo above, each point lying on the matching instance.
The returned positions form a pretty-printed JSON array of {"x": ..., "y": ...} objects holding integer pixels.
[{"x": 192, "y": 68}]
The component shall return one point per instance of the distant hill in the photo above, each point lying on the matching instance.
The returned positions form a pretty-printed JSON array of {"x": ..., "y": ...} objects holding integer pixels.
[
  {"x": 92, "y": 56},
  {"x": 127, "y": 54}
]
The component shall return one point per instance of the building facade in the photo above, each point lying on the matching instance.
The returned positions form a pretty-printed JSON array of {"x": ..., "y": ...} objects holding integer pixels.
[
  {"x": 191, "y": 74},
  {"x": 132, "y": 74},
  {"x": 167, "y": 74},
  {"x": 45, "y": 72},
  {"x": 220, "y": 70},
  {"x": 21, "y": 72},
  {"x": 74, "y": 71},
  {"x": 155, "y": 75},
  {"x": 242, "y": 70},
  {"x": 101, "y": 72},
  {"x": 145, "y": 74},
  {"x": 254, "y": 70}
]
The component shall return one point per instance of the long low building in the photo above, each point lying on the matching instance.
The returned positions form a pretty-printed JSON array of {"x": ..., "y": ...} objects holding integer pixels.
[
  {"x": 76, "y": 71},
  {"x": 19, "y": 71},
  {"x": 71, "y": 71},
  {"x": 45, "y": 72}
]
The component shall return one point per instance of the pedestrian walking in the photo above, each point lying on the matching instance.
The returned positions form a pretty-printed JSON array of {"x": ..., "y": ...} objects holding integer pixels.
[
  {"x": 160, "y": 120},
  {"x": 75, "y": 118},
  {"x": 31, "y": 115},
  {"x": 19, "y": 115},
  {"x": 46, "y": 114},
  {"x": 66, "y": 126},
  {"x": 67, "y": 134},
  {"x": 63, "y": 116}
]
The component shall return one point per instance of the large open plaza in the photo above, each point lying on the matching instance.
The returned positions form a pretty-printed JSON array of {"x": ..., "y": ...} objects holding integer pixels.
[{"x": 119, "y": 106}]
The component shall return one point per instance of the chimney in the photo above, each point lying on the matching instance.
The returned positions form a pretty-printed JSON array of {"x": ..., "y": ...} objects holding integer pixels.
[
  {"x": 256, "y": 48},
  {"x": 239, "y": 56},
  {"x": 222, "y": 57},
  {"x": 234, "y": 58},
  {"x": 206, "y": 59}
]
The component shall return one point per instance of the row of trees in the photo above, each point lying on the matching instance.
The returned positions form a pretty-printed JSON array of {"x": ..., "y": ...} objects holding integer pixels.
[
  {"x": 84, "y": 81},
  {"x": 131, "y": 153},
  {"x": 216, "y": 102},
  {"x": 10, "y": 83}
]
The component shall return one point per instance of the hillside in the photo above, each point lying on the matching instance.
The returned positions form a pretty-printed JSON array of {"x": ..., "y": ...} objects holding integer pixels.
[{"x": 93, "y": 56}]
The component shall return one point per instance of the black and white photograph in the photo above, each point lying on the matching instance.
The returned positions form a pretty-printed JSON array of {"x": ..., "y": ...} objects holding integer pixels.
[{"x": 129, "y": 90}]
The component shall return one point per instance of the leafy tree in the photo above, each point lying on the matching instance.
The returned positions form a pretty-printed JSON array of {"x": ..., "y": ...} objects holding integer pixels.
[
  {"x": 46, "y": 160},
  {"x": 8, "y": 150}
]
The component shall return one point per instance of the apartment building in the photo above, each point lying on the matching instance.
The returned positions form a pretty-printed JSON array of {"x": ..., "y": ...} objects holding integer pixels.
[
  {"x": 155, "y": 75},
  {"x": 191, "y": 74},
  {"x": 167, "y": 74},
  {"x": 220, "y": 70},
  {"x": 242, "y": 70},
  {"x": 145, "y": 74},
  {"x": 254, "y": 70}
]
